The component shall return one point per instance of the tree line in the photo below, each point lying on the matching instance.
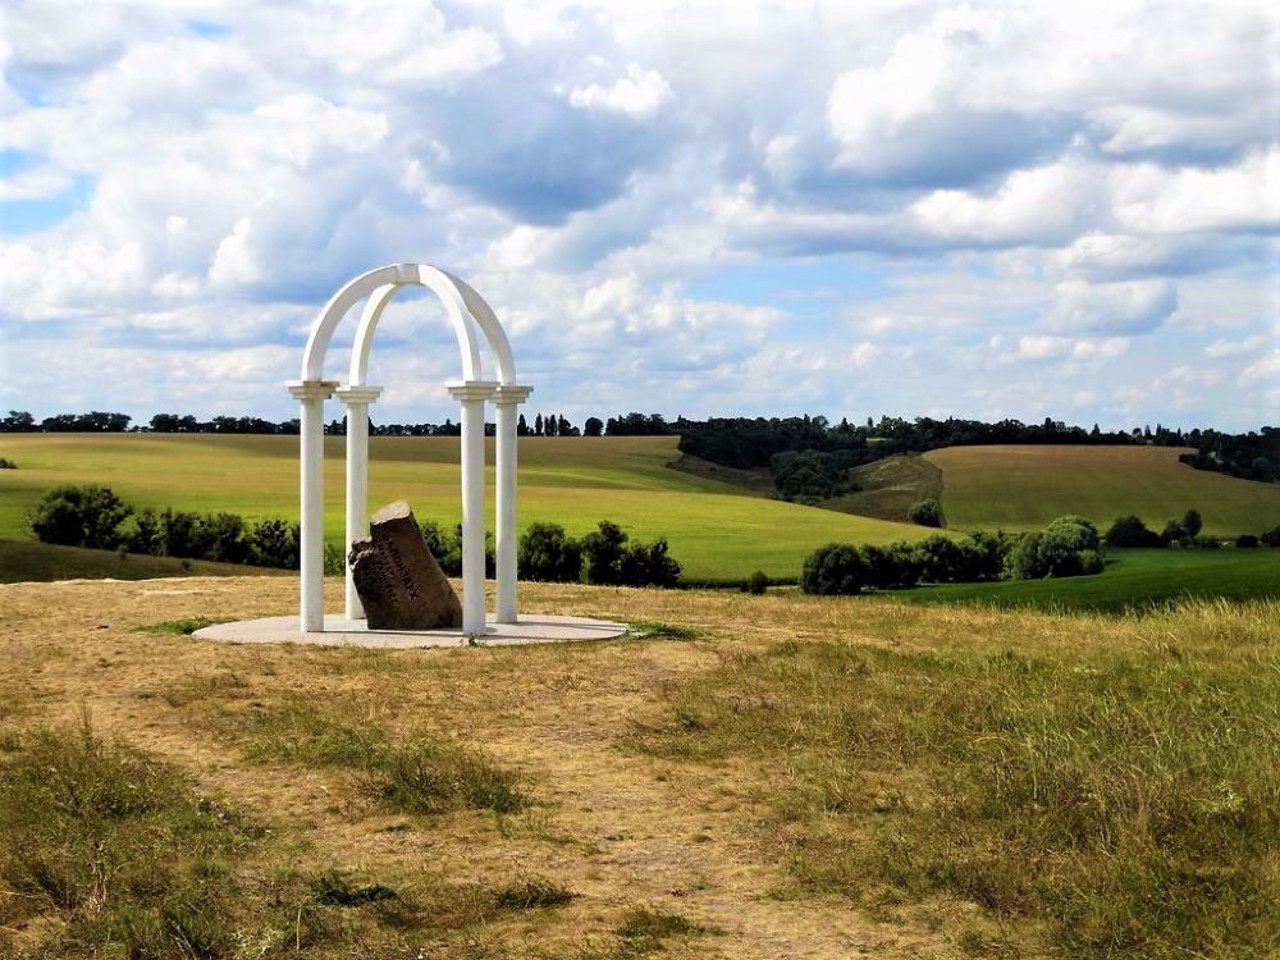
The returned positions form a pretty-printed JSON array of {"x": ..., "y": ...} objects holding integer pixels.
[{"x": 809, "y": 456}]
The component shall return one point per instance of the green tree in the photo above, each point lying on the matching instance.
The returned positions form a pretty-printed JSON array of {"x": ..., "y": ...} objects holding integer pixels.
[
  {"x": 1192, "y": 523},
  {"x": 602, "y": 550},
  {"x": 88, "y": 516},
  {"x": 594, "y": 427},
  {"x": 545, "y": 553},
  {"x": 926, "y": 513},
  {"x": 834, "y": 569}
]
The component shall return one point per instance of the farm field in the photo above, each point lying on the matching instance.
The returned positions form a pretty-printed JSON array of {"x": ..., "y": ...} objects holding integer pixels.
[
  {"x": 716, "y": 531},
  {"x": 1021, "y": 488},
  {"x": 747, "y": 778},
  {"x": 1137, "y": 579}
]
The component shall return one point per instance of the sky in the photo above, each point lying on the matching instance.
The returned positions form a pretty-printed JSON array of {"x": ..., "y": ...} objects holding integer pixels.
[{"x": 690, "y": 208}]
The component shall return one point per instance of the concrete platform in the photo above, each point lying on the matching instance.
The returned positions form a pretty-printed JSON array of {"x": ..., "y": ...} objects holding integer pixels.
[{"x": 340, "y": 632}]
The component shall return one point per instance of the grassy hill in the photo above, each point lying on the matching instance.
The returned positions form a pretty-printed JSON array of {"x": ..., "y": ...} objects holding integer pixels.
[
  {"x": 715, "y": 529},
  {"x": 765, "y": 777},
  {"x": 1133, "y": 579},
  {"x": 1024, "y": 487},
  {"x": 26, "y": 560}
]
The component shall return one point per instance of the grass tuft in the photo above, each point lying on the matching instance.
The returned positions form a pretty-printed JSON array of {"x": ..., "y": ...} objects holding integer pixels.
[
  {"x": 644, "y": 931},
  {"x": 655, "y": 630},
  {"x": 185, "y": 626},
  {"x": 532, "y": 893},
  {"x": 117, "y": 845},
  {"x": 426, "y": 774}
]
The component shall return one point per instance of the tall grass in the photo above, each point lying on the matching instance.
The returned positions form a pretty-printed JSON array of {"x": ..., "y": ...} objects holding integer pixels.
[
  {"x": 425, "y": 774},
  {"x": 118, "y": 845},
  {"x": 1127, "y": 801}
]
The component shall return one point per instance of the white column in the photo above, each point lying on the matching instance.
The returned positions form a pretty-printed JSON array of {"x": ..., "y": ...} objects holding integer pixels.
[
  {"x": 357, "y": 400},
  {"x": 508, "y": 398},
  {"x": 312, "y": 394},
  {"x": 471, "y": 394}
]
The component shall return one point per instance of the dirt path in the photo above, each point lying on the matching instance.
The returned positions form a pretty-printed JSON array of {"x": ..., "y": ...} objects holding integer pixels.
[{"x": 619, "y": 828}]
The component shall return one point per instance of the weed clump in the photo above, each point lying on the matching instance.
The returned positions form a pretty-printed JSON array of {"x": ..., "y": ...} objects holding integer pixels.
[{"x": 425, "y": 774}]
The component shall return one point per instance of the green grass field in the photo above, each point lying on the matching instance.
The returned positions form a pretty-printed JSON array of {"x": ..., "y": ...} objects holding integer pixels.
[
  {"x": 1133, "y": 579},
  {"x": 715, "y": 530},
  {"x": 1024, "y": 487}
]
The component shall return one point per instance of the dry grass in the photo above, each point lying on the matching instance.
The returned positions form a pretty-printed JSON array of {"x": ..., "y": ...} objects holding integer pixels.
[
  {"x": 621, "y": 846},
  {"x": 1024, "y": 487}
]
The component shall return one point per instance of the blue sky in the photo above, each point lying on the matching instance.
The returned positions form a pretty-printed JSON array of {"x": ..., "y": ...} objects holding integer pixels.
[{"x": 708, "y": 208}]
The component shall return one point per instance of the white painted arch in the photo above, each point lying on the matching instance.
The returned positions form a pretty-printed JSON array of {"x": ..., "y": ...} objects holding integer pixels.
[{"x": 466, "y": 311}]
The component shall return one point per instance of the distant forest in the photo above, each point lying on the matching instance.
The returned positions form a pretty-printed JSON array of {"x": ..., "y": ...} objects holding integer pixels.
[{"x": 806, "y": 455}]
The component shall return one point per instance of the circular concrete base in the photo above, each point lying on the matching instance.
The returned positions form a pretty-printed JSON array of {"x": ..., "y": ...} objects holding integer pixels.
[{"x": 341, "y": 632}]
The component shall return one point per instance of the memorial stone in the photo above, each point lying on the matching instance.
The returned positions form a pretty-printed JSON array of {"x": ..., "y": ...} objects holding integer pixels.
[{"x": 399, "y": 582}]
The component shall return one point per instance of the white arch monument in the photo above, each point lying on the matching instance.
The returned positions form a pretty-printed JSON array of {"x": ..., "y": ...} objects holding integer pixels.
[{"x": 466, "y": 310}]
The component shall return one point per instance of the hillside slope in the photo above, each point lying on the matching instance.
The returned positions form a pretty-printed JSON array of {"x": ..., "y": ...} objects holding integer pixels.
[
  {"x": 1024, "y": 487},
  {"x": 715, "y": 529}
]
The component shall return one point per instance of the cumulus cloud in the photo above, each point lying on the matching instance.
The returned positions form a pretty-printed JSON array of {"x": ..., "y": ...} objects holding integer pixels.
[
  {"x": 835, "y": 206},
  {"x": 639, "y": 93},
  {"x": 1137, "y": 306}
]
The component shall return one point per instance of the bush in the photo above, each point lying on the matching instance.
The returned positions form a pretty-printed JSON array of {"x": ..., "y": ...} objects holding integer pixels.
[
  {"x": 756, "y": 584},
  {"x": 836, "y": 569},
  {"x": 1068, "y": 547},
  {"x": 74, "y": 516},
  {"x": 602, "y": 550},
  {"x": 1272, "y": 537},
  {"x": 1247, "y": 541},
  {"x": 1130, "y": 531},
  {"x": 648, "y": 565},
  {"x": 941, "y": 560},
  {"x": 926, "y": 513},
  {"x": 547, "y": 554},
  {"x": 7, "y": 464},
  {"x": 897, "y": 565},
  {"x": 275, "y": 543},
  {"x": 1173, "y": 532}
]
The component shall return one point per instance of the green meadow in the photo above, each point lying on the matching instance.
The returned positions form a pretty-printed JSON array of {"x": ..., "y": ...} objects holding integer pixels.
[
  {"x": 1021, "y": 488},
  {"x": 717, "y": 531},
  {"x": 1132, "y": 580}
]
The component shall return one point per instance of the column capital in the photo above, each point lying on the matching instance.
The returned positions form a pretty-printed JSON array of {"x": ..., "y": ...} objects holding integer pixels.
[
  {"x": 357, "y": 394},
  {"x": 312, "y": 389},
  {"x": 510, "y": 393},
  {"x": 463, "y": 390}
]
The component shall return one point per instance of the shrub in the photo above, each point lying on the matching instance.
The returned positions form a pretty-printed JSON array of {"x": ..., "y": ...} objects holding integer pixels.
[
  {"x": 1130, "y": 531},
  {"x": 602, "y": 551},
  {"x": 897, "y": 565},
  {"x": 926, "y": 513},
  {"x": 1068, "y": 547},
  {"x": 275, "y": 543},
  {"x": 1173, "y": 532},
  {"x": 836, "y": 569},
  {"x": 1272, "y": 537},
  {"x": 547, "y": 554},
  {"x": 1247, "y": 541},
  {"x": 1192, "y": 523},
  {"x": 756, "y": 584},
  {"x": 7, "y": 464},
  {"x": 80, "y": 517},
  {"x": 648, "y": 565},
  {"x": 941, "y": 560},
  {"x": 144, "y": 537}
]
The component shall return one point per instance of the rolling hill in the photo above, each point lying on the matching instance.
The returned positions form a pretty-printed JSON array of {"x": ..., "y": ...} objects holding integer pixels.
[
  {"x": 1024, "y": 487},
  {"x": 716, "y": 530}
]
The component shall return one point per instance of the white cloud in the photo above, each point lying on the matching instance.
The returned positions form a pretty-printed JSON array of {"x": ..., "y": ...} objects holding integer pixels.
[
  {"x": 938, "y": 197},
  {"x": 1137, "y": 306},
  {"x": 639, "y": 93}
]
